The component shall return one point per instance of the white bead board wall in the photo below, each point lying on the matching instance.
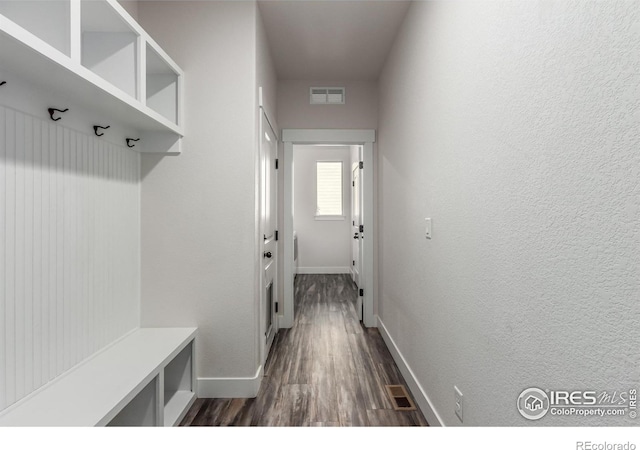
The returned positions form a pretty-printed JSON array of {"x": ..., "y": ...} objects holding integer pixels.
[{"x": 69, "y": 249}]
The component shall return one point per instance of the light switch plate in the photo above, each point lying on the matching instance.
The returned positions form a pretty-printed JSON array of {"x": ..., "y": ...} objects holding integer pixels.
[{"x": 428, "y": 228}]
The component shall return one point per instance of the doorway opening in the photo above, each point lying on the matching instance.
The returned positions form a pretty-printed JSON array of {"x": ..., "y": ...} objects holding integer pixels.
[
  {"x": 322, "y": 208},
  {"x": 346, "y": 161}
]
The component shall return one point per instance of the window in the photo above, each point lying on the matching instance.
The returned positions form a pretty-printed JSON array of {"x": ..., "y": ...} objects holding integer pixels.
[{"x": 328, "y": 188}]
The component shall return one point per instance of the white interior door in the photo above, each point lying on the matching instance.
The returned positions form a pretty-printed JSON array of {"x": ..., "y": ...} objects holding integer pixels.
[
  {"x": 269, "y": 276},
  {"x": 355, "y": 222}
]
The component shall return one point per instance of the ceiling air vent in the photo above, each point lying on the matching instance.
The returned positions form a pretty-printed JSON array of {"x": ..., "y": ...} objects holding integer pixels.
[{"x": 327, "y": 95}]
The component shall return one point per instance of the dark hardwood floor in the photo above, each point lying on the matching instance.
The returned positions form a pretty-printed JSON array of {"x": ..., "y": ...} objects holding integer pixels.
[{"x": 328, "y": 370}]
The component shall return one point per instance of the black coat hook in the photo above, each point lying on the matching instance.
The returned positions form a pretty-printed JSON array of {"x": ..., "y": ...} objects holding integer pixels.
[
  {"x": 52, "y": 111},
  {"x": 96, "y": 127},
  {"x": 2, "y": 83},
  {"x": 130, "y": 140}
]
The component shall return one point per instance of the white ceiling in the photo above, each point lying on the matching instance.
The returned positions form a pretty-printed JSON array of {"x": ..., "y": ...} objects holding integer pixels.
[{"x": 331, "y": 39}]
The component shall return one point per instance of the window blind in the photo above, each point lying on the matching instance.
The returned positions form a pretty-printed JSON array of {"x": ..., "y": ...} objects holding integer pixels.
[{"x": 329, "y": 188}]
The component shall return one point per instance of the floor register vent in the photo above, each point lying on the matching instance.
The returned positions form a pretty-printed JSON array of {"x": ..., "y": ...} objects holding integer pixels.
[
  {"x": 326, "y": 95},
  {"x": 400, "y": 398}
]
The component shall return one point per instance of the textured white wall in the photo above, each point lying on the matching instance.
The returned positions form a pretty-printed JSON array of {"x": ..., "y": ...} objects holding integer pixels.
[
  {"x": 322, "y": 244},
  {"x": 359, "y": 111},
  {"x": 266, "y": 73},
  {"x": 515, "y": 127},
  {"x": 198, "y": 214}
]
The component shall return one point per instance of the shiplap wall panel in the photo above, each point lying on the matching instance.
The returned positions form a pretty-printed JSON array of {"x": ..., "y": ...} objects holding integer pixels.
[
  {"x": 37, "y": 254},
  {"x": 3, "y": 227},
  {"x": 28, "y": 281},
  {"x": 20, "y": 299},
  {"x": 10, "y": 257},
  {"x": 69, "y": 249}
]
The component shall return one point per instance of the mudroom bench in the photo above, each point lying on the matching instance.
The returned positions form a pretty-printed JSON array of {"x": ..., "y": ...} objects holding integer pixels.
[{"x": 146, "y": 378}]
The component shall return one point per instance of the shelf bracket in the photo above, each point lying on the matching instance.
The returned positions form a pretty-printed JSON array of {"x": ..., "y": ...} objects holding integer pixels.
[
  {"x": 131, "y": 140},
  {"x": 97, "y": 127},
  {"x": 52, "y": 111}
]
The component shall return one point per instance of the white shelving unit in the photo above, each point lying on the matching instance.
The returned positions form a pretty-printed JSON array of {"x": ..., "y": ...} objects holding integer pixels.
[
  {"x": 162, "y": 85},
  {"x": 142, "y": 410},
  {"x": 48, "y": 20},
  {"x": 93, "y": 52},
  {"x": 109, "y": 46},
  {"x": 145, "y": 379},
  {"x": 178, "y": 386}
]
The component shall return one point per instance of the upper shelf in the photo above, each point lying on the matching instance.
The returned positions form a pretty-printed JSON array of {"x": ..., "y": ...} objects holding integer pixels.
[{"x": 94, "y": 52}]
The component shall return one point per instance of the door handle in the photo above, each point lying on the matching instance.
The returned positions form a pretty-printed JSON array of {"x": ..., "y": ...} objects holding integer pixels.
[
  {"x": 267, "y": 255},
  {"x": 355, "y": 236}
]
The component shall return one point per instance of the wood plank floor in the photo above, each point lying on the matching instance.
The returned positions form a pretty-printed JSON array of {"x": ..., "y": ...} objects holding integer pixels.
[{"x": 327, "y": 370}]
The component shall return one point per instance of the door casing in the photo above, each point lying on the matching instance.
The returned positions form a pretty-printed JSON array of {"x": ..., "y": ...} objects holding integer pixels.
[
  {"x": 356, "y": 199},
  {"x": 268, "y": 267},
  {"x": 366, "y": 138}
]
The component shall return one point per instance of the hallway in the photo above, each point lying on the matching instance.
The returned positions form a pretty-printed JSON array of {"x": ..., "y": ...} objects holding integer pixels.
[{"x": 325, "y": 371}]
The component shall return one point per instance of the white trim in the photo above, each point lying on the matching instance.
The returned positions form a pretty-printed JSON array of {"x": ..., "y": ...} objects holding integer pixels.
[
  {"x": 323, "y": 270},
  {"x": 345, "y": 137},
  {"x": 367, "y": 276},
  {"x": 366, "y": 138},
  {"x": 230, "y": 387},
  {"x": 421, "y": 397},
  {"x": 286, "y": 318},
  {"x": 316, "y": 217}
]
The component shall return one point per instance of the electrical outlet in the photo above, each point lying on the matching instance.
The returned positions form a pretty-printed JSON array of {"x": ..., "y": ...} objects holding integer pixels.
[{"x": 459, "y": 402}]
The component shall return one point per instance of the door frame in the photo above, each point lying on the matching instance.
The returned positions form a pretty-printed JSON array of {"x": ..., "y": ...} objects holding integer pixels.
[
  {"x": 366, "y": 138},
  {"x": 263, "y": 343},
  {"x": 355, "y": 169}
]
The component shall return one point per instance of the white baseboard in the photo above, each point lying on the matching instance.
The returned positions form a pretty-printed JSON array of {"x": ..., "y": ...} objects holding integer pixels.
[
  {"x": 230, "y": 387},
  {"x": 323, "y": 270},
  {"x": 414, "y": 386}
]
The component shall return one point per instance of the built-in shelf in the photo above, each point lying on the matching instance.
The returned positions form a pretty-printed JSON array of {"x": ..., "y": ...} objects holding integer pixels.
[
  {"x": 109, "y": 46},
  {"x": 178, "y": 386},
  {"x": 177, "y": 407},
  {"x": 94, "y": 53},
  {"x": 141, "y": 411},
  {"x": 144, "y": 379},
  {"x": 48, "y": 20},
  {"x": 162, "y": 86}
]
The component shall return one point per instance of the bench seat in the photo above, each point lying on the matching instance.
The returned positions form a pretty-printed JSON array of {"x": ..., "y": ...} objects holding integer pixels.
[{"x": 145, "y": 378}]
